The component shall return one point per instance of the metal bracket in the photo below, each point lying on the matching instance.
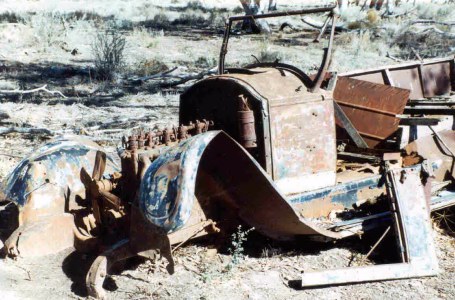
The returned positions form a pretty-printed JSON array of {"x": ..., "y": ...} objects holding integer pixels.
[
  {"x": 350, "y": 129},
  {"x": 413, "y": 230}
]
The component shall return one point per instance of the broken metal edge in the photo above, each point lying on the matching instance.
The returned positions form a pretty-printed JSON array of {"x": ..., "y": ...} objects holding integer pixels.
[
  {"x": 414, "y": 230},
  {"x": 365, "y": 274}
]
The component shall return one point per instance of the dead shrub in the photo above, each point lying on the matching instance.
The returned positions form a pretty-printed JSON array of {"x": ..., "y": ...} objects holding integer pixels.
[
  {"x": 344, "y": 38},
  {"x": 82, "y": 15},
  {"x": 445, "y": 220},
  {"x": 150, "y": 66},
  {"x": 268, "y": 54},
  {"x": 11, "y": 17},
  {"x": 108, "y": 48},
  {"x": 195, "y": 18},
  {"x": 196, "y": 5},
  {"x": 372, "y": 16},
  {"x": 217, "y": 19},
  {"x": 428, "y": 44},
  {"x": 160, "y": 21},
  {"x": 50, "y": 28},
  {"x": 355, "y": 25},
  {"x": 433, "y": 11},
  {"x": 205, "y": 62}
]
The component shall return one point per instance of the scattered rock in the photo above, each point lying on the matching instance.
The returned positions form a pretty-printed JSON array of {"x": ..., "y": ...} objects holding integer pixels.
[
  {"x": 211, "y": 253},
  {"x": 3, "y": 115}
]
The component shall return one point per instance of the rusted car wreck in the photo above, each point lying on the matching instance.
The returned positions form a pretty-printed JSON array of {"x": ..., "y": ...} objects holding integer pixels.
[{"x": 267, "y": 145}]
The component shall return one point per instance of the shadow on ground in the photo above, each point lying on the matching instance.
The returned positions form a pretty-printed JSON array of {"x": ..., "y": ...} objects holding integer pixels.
[{"x": 76, "y": 266}]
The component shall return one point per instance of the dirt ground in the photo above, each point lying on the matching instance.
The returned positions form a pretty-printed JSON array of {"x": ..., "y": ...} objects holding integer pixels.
[
  {"x": 201, "y": 273},
  {"x": 38, "y": 49}
]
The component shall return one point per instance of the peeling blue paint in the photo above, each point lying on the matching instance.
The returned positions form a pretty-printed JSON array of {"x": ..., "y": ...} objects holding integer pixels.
[
  {"x": 345, "y": 194},
  {"x": 59, "y": 163},
  {"x": 166, "y": 194}
]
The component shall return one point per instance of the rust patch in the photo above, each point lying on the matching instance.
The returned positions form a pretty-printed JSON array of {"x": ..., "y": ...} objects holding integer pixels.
[
  {"x": 318, "y": 207},
  {"x": 371, "y": 107}
]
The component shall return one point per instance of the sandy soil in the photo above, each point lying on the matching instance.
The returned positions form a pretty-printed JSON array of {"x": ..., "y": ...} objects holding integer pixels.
[{"x": 201, "y": 274}]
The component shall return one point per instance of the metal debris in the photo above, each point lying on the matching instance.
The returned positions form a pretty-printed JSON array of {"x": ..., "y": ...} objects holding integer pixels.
[
  {"x": 438, "y": 150},
  {"x": 414, "y": 239}
]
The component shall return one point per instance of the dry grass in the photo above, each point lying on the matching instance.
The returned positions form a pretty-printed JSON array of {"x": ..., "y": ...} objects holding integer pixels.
[
  {"x": 445, "y": 220},
  {"x": 50, "y": 28}
]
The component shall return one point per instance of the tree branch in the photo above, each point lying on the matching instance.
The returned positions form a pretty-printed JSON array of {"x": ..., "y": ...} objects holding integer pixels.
[
  {"x": 22, "y": 92},
  {"x": 432, "y": 22},
  {"x": 318, "y": 25}
]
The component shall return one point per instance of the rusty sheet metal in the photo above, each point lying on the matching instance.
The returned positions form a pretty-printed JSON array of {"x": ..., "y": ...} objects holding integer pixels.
[
  {"x": 275, "y": 85},
  {"x": 428, "y": 79},
  {"x": 286, "y": 119},
  {"x": 437, "y": 78},
  {"x": 344, "y": 195},
  {"x": 435, "y": 152},
  {"x": 371, "y": 108},
  {"x": 407, "y": 78},
  {"x": 303, "y": 145},
  {"x": 43, "y": 186},
  {"x": 216, "y": 98},
  {"x": 166, "y": 196},
  {"x": 216, "y": 170},
  {"x": 415, "y": 232}
]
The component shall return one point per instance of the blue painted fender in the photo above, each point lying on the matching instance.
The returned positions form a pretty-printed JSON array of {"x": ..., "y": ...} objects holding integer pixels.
[
  {"x": 173, "y": 181},
  {"x": 167, "y": 190},
  {"x": 56, "y": 163}
]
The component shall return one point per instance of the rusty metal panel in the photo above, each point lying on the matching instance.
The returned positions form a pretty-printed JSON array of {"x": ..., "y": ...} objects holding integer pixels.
[
  {"x": 374, "y": 77},
  {"x": 408, "y": 78},
  {"x": 56, "y": 163},
  {"x": 322, "y": 201},
  {"x": 424, "y": 79},
  {"x": 275, "y": 85},
  {"x": 372, "y": 108},
  {"x": 216, "y": 98},
  {"x": 436, "y": 79},
  {"x": 303, "y": 145},
  {"x": 166, "y": 196},
  {"x": 438, "y": 153}
]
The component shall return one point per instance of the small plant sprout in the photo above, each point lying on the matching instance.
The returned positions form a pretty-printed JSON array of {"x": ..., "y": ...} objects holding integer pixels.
[{"x": 236, "y": 250}]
